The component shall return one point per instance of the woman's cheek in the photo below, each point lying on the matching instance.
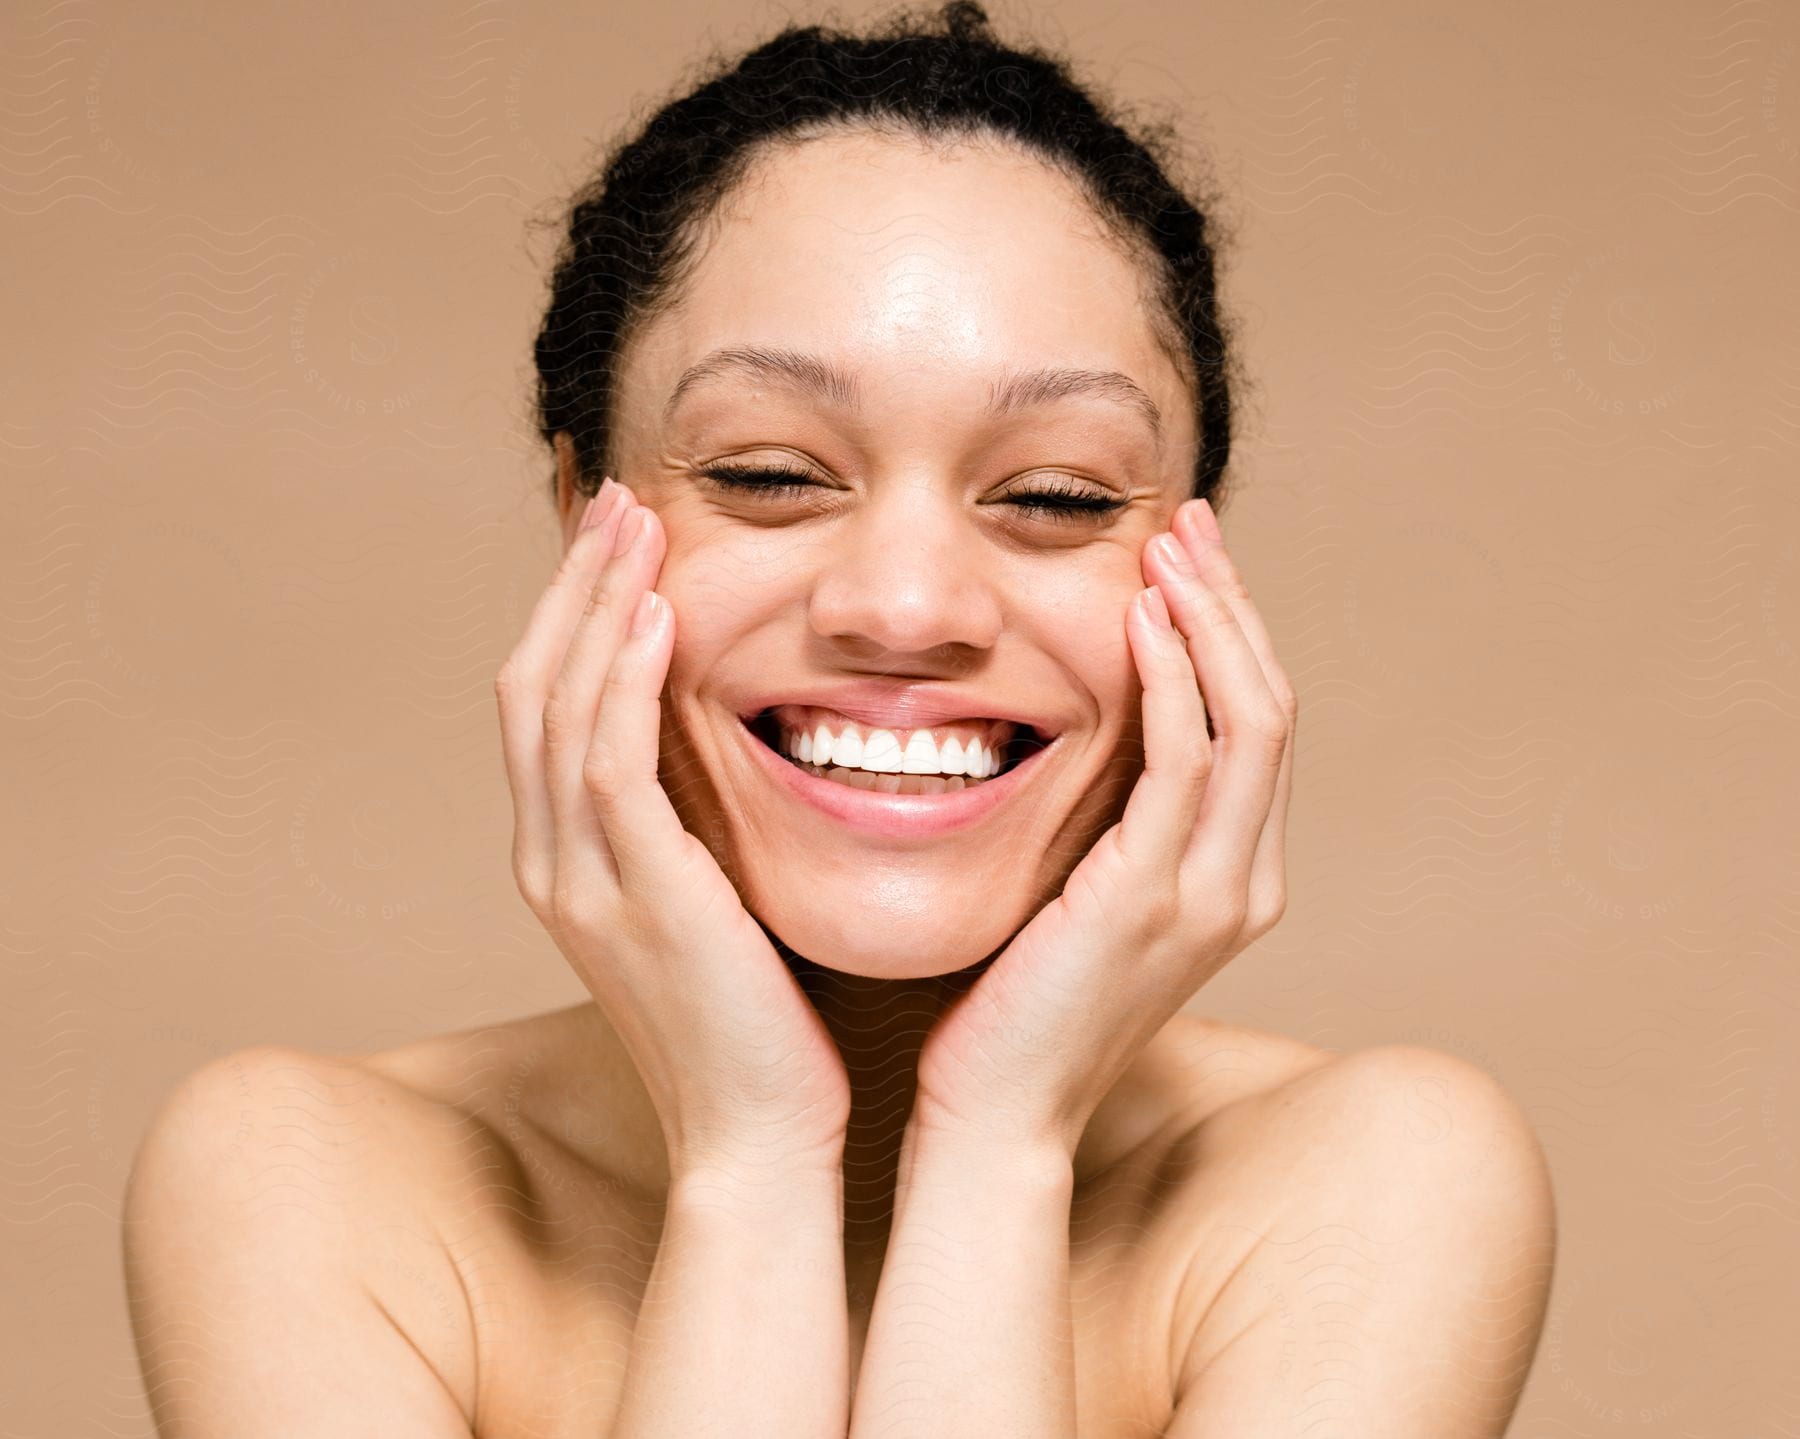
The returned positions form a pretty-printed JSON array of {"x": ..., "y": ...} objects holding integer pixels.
[
  {"x": 693, "y": 630},
  {"x": 724, "y": 571},
  {"x": 717, "y": 602},
  {"x": 1091, "y": 628}
]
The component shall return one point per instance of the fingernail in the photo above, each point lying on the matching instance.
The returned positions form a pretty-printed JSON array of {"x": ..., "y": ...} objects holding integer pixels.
[
  {"x": 645, "y": 614},
  {"x": 629, "y": 529},
  {"x": 1207, "y": 522},
  {"x": 1155, "y": 607},
  {"x": 606, "y": 500},
  {"x": 587, "y": 512},
  {"x": 1173, "y": 551}
]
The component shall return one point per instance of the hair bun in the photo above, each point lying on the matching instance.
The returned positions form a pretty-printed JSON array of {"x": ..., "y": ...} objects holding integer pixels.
[{"x": 966, "y": 20}]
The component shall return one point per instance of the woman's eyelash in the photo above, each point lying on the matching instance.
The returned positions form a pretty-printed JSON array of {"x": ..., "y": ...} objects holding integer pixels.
[
  {"x": 764, "y": 479},
  {"x": 1064, "y": 499},
  {"x": 1060, "y": 499}
]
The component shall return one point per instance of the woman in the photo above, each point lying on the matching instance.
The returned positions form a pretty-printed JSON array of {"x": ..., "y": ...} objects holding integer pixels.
[{"x": 894, "y": 753}]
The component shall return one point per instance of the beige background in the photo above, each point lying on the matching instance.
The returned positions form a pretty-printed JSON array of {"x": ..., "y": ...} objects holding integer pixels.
[{"x": 1516, "y": 492}]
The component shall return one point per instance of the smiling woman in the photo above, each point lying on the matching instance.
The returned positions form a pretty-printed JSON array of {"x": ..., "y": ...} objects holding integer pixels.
[{"x": 895, "y": 752}]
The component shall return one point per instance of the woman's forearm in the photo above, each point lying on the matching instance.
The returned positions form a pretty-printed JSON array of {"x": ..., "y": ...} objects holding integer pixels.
[
  {"x": 743, "y": 1329},
  {"x": 971, "y": 1333}
]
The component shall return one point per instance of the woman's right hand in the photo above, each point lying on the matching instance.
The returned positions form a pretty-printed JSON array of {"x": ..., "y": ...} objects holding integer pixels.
[{"x": 736, "y": 1059}]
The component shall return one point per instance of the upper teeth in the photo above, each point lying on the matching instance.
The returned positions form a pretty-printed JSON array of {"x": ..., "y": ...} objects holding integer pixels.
[{"x": 951, "y": 749}]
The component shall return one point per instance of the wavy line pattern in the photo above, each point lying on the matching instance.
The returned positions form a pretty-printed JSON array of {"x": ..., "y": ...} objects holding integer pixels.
[
  {"x": 448, "y": 155},
  {"x": 1514, "y": 488},
  {"x": 1731, "y": 133},
  {"x": 43, "y": 161}
]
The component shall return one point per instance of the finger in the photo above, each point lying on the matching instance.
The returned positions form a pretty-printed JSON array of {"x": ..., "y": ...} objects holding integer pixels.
[
  {"x": 1268, "y": 868},
  {"x": 643, "y": 832},
  {"x": 1249, "y": 727},
  {"x": 1165, "y": 802},
  {"x": 523, "y": 683},
  {"x": 1198, "y": 528},
  {"x": 572, "y": 711}
]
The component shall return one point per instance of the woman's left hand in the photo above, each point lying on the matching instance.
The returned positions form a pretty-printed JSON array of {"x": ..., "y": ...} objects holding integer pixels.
[{"x": 1192, "y": 873}]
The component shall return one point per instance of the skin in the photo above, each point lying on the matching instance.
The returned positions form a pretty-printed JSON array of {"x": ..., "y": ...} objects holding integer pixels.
[
  {"x": 721, "y": 1125},
  {"x": 927, "y": 298}
]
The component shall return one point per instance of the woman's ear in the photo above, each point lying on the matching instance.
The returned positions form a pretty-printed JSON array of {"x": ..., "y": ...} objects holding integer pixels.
[{"x": 569, "y": 500}]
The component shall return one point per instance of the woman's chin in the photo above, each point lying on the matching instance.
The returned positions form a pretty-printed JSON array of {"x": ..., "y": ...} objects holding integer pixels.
[{"x": 849, "y": 941}]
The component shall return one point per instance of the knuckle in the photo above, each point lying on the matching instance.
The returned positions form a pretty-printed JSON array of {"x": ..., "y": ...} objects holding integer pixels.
[
  {"x": 1148, "y": 904},
  {"x": 509, "y": 686},
  {"x": 1267, "y": 911},
  {"x": 1231, "y": 916},
  {"x": 1194, "y": 757},
  {"x": 1216, "y": 615},
  {"x": 569, "y": 911},
  {"x": 1230, "y": 582},
  {"x": 1271, "y": 724},
  {"x": 617, "y": 683},
  {"x": 1174, "y": 663},
  {"x": 1168, "y": 904},
  {"x": 1286, "y": 697},
  {"x": 562, "y": 724},
  {"x": 1159, "y": 908},
  {"x": 1189, "y": 753},
  {"x": 599, "y": 604},
  {"x": 601, "y": 773},
  {"x": 535, "y": 885},
  {"x": 1223, "y": 910}
]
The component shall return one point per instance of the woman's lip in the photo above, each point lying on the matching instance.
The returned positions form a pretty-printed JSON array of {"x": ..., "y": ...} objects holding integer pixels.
[{"x": 895, "y": 816}]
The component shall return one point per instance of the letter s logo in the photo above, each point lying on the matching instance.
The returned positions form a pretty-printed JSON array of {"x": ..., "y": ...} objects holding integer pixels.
[
  {"x": 367, "y": 840},
  {"x": 1629, "y": 840},
  {"x": 1625, "y": 1355},
  {"x": 1632, "y": 341},
  {"x": 377, "y": 328}
]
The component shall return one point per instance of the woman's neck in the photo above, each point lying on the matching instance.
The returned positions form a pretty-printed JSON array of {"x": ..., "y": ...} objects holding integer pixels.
[{"x": 879, "y": 1026}]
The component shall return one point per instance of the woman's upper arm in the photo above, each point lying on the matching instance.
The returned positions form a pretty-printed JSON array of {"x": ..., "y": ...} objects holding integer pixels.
[
  {"x": 1400, "y": 1285},
  {"x": 252, "y": 1212}
]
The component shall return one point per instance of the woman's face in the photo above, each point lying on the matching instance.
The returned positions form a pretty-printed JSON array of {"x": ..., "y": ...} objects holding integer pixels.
[{"x": 909, "y": 296}]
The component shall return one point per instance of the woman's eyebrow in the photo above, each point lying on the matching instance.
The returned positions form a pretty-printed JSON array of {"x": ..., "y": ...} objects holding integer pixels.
[{"x": 1017, "y": 389}]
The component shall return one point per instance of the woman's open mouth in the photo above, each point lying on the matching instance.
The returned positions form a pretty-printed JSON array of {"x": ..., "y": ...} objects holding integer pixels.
[
  {"x": 937, "y": 760},
  {"x": 895, "y": 782}
]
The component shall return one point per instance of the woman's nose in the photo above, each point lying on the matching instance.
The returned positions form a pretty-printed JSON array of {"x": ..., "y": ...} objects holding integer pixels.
[{"x": 906, "y": 580}]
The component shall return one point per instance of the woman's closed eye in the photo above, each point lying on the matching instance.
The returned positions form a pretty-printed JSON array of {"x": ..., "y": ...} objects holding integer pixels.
[{"x": 1059, "y": 497}]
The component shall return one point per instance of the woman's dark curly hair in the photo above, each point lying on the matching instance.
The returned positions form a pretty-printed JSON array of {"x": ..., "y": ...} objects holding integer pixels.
[{"x": 943, "y": 76}]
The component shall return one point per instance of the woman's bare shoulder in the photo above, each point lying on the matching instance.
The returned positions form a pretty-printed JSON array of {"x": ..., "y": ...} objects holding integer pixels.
[
  {"x": 368, "y": 1143},
  {"x": 1392, "y": 1166},
  {"x": 1214, "y": 1064},
  {"x": 1234, "y": 1076},
  {"x": 282, "y": 1198},
  {"x": 348, "y": 1122},
  {"x": 378, "y": 1189},
  {"x": 557, "y": 1089},
  {"x": 1281, "y": 1136},
  {"x": 1194, "y": 1068},
  {"x": 1284, "y": 1138}
]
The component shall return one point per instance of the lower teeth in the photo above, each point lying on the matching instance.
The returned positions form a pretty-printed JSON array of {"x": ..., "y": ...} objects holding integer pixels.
[{"x": 888, "y": 783}]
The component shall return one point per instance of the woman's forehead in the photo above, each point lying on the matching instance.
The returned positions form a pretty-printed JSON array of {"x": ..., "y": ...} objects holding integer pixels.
[
  {"x": 839, "y": 208},
  {"x": 896, "y": 280},
  {"x": 921, "y": 285}
]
